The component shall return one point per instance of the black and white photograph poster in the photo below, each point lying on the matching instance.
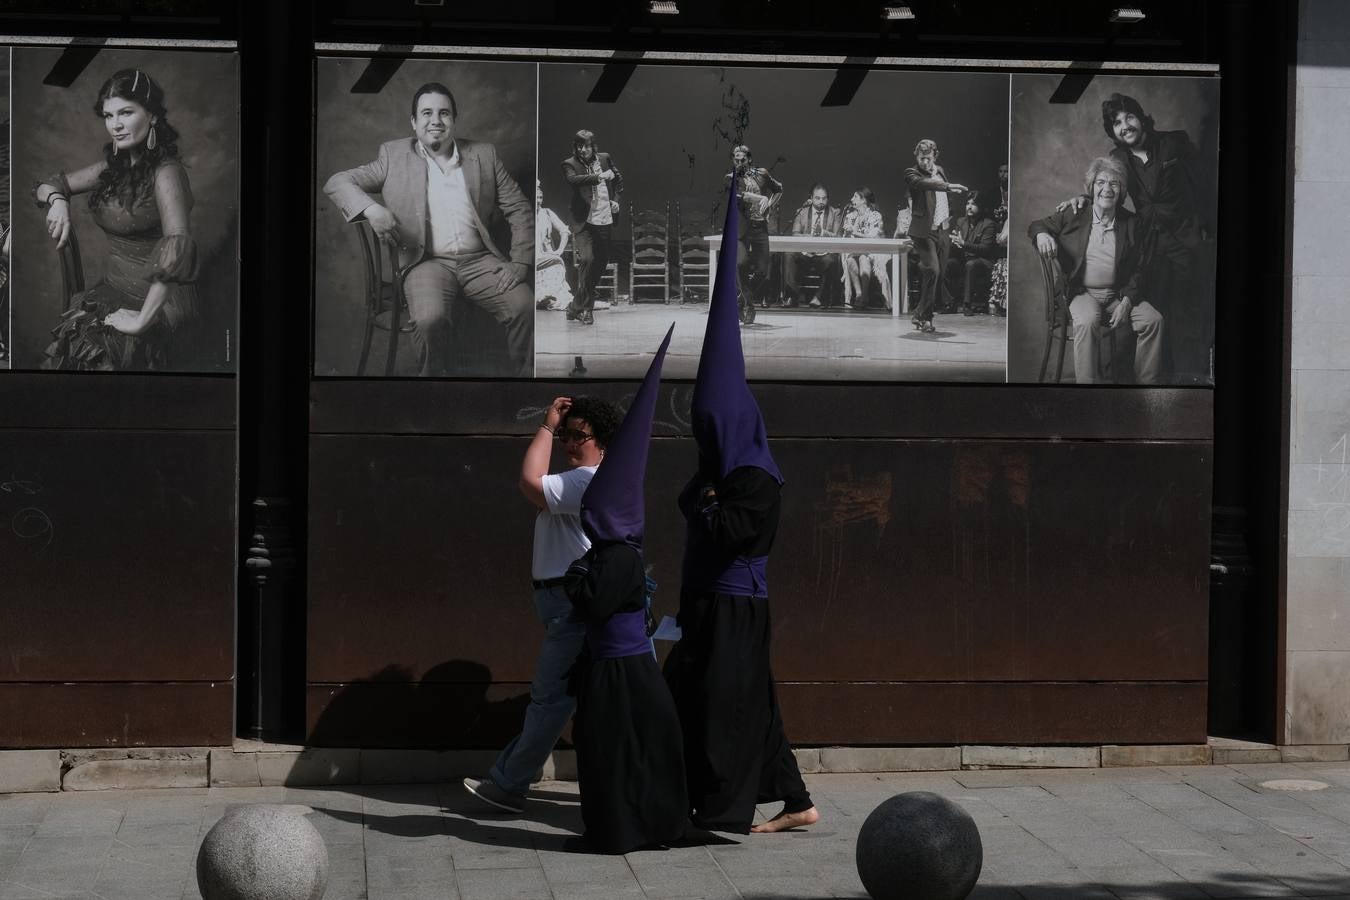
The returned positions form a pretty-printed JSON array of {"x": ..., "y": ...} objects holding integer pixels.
[
  {"x": 1114, "y": 201},
  {"x": 870, "y": 219},
  {"x": 424, "y": 224},
  {"x": 126, "y": 221},
  {"x": 6, "y": 214}
]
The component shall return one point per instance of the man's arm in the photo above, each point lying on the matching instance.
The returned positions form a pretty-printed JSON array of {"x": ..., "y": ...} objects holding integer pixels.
[
  {"x": 775, "y": 186},
  {"x": 917, "y": 178},
  {"x": 540, "y": 452},
  {"x": 1133, "y": 288},
  {"x": 799, "y": 221},
  {"x": 983, "y": 242},
  {"x": 350, "y": 189},
  {"x": 1045, "y": 233},
  {"x": 1053, "y": 224},
  {"x": 519, "y": 213},
  {"x": 616, "y": 184},
  {"x": 578, "y": 175}
]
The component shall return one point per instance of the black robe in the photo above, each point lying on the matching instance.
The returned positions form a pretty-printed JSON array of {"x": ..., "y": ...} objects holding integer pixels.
[
  {"x": 735, "y": 752},
  {"x": 630, "y": 763}
]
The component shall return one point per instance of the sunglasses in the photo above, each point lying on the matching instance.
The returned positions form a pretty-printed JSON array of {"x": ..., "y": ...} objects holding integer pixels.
[{"x": 569, "y": 435}]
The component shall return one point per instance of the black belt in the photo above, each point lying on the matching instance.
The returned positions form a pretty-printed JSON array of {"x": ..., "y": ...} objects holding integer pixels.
[{"x": 548, "y": 582}]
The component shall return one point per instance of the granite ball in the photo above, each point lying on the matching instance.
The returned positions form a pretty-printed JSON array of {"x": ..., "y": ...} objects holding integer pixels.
[
  {"x": 263, "y": 851},
  {"x": 919, "y": 846}
]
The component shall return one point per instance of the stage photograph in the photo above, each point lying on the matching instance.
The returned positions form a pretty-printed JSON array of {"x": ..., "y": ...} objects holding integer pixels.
[
  {"x": 5, "y": 219},
  {"x": 1111, "y": 277},
  {"x": 871, "y": 222},
  {"x": 424, "y": 218}
]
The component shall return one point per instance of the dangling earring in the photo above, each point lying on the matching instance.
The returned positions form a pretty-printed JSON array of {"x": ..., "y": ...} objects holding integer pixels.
[{"x": 151, "y": 142}]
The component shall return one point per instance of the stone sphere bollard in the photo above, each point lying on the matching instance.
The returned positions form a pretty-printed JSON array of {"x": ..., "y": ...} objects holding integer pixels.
[
  {"x": 257, "y": 852},
  {"x": 919, "y": 846}
]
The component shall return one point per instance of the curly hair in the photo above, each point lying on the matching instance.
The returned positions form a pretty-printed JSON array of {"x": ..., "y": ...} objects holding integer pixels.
[
  {"x": 603, "y": 417},
  {"x": 124, "y": 179},
  {"x": 1122, "y": 103}
]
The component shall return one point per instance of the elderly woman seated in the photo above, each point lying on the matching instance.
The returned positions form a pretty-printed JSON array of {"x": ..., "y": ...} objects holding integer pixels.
[{"x": 1098, "y": 247}]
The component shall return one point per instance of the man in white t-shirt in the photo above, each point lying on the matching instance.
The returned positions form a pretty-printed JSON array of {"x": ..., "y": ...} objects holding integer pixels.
[{"x": 583, "y": 426}]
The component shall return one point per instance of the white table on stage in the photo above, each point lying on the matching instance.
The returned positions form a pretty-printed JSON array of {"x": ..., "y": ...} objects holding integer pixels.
[{"x": 896, "y": 248}]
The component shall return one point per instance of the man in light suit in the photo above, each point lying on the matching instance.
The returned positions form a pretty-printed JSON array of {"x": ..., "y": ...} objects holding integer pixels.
[
  {"x": 819, "y": 219},
  {"x": 442, "y": 198}
]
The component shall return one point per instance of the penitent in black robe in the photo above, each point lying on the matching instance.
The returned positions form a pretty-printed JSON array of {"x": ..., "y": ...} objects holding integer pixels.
[
  {"x": 735, "y": 751},
  {"x": 630, "y": 762}
]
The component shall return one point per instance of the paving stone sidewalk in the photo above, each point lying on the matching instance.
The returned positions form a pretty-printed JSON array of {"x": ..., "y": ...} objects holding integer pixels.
[{"x": 1186, "y": 832}]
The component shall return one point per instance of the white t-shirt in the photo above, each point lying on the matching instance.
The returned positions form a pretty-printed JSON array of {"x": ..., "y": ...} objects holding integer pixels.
[{"x": 558, "y": 538}]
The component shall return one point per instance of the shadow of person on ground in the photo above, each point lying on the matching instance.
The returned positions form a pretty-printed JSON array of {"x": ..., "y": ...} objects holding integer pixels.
[{"x": 492, "y": 834}]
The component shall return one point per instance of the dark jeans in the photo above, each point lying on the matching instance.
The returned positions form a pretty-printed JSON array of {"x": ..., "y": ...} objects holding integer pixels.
[
  {"x": 752, "y": 268},
  {"x": 971, "y": 266},
  {"x": 926, "y": 249},
  {"x": 592, "y": 243},
  {"x": 827, "y": 267}
]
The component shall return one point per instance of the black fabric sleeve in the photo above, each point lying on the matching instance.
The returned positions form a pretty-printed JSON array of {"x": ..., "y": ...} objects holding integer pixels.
[
  {"x": 606, "y": 580},
  {"x": 744, "y": 505}
]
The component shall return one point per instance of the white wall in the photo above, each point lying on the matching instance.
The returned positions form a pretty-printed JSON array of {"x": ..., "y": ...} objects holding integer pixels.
[{"x": 1318, "y": 612}]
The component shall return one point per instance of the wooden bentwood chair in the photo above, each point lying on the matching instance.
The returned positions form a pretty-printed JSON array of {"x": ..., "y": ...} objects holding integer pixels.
[{"x": 386, "y": 307}]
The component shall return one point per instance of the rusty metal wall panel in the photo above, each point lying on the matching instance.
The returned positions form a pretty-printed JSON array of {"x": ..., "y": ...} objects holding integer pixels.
[
  {"x": 897, "y": 561},
  {"x": 165, "y": 714},
  {"x": 118, "y": 556},
  {"x": 117, "y": 400},
  {"x": 471, "y": 715},
  {"x": 393, "y": 406},
  {"x": 1159, "y": 712}
]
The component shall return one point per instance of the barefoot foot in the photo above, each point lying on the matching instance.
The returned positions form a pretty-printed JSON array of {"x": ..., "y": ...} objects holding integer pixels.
[{"x": 785, "y": 820}]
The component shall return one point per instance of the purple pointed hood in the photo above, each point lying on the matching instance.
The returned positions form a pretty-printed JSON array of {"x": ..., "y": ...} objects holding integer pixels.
[
  {"x": 612, "y": 509},
  {"x": 727, "y": 423}
]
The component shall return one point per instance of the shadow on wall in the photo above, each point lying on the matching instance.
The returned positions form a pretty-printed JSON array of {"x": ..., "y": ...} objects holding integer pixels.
[
  {"x": 1052, "y": 145},
  {"x": 56, "y": 130},
  {"x": 496, "y": 104},
  {"x": 454, "y": 706}
]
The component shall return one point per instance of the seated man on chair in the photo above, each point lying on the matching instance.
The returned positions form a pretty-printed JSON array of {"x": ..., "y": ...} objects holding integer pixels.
[
  {"x": 817, "y": 218},
  {"x": 973, "y": 248},
  {"x": 1098, "y": 248},
  {"x": 442, "y": 197}
]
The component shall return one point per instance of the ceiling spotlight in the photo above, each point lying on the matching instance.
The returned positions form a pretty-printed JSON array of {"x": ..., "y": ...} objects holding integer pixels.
[
  {"x": 1127, "y": 14},
  {"x": 897, "y": 13},
  {"x": 663, "y": 8}
]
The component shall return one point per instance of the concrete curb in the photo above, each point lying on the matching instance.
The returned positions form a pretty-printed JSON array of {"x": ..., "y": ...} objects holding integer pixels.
[{"x": 253, "y": 764}]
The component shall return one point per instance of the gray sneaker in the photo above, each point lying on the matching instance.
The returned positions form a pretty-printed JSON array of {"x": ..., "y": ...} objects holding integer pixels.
[{"x": 486, "y": 789}]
